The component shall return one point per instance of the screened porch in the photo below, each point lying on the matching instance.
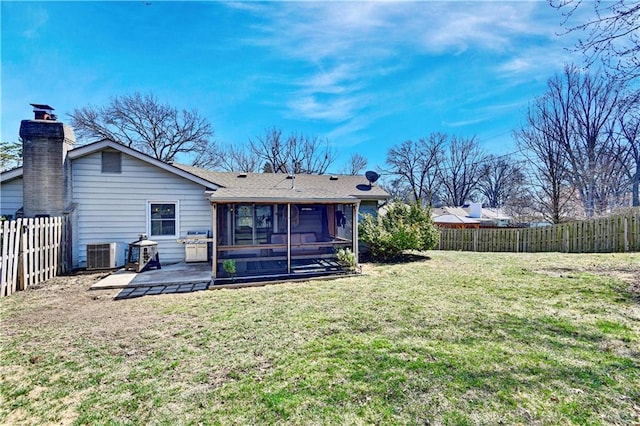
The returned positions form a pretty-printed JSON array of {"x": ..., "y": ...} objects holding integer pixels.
[{"x": 263, "y": 240}]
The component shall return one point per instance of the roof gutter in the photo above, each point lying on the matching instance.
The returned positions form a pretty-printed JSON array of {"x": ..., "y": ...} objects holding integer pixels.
[{"x": 280, "y": 200}]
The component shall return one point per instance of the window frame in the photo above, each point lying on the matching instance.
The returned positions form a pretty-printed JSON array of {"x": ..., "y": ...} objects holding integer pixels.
[{"x": 176, "y": 219}]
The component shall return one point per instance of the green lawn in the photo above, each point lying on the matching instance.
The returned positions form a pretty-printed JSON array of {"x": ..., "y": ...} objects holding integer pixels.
[{"x": 457, "y": 338}]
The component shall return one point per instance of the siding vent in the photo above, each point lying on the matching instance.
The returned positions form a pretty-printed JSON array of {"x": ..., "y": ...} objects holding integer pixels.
[{"x": 111, "y": 162}]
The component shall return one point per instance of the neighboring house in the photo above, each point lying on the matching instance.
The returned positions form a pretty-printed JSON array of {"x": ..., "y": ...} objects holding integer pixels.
[
  {"x": 270, "y": 224},
  {"x": 495, "y": 218},
  {"x": 469, "y": 216}
]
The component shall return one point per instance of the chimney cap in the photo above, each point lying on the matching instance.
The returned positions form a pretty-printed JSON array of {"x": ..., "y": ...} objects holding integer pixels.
[
  {"x": 43, "y": 112},
  {"x": 42, "y": 107}
]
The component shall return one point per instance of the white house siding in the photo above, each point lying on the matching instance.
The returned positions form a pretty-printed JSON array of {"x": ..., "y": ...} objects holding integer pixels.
[
  {"x": 114, "y": 207},
  {"x": 10, "y": 197}
]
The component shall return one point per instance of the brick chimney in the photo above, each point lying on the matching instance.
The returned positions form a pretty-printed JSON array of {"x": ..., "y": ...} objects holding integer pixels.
[{"x": 45, "y": 170}]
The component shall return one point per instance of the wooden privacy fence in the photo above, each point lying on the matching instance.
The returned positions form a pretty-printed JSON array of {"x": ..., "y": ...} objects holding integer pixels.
[
  {"x": 32, "y": 252},
  {"x": 604, "y": 235}
]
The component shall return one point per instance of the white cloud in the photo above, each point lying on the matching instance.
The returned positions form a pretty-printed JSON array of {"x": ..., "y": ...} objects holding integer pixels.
[
  {"x": 351, "y": 46},
  {"x": 342, "y": 132},
  {"x": 464, "y": 123},
  {"x": 337, "y": 80},
  {"x": 337, "y": 109},
  {"x": 537, "y": 61}
]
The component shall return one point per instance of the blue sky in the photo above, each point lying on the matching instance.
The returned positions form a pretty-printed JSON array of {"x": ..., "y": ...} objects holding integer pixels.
[{"x": 363, "y": 75}]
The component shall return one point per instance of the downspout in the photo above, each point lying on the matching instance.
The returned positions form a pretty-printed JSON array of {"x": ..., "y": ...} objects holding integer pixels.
[
  {"x": 214, "y": 244},
  {"x": 288, "y": 238},
  {"x": 354, "y": 231}
]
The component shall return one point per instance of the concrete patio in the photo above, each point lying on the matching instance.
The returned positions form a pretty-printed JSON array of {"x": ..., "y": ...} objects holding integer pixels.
[
  {"x": 174, "y": 278},
  {"x": 188, "y": 277}
]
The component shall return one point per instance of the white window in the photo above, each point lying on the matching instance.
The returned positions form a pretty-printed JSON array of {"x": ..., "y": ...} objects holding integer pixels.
[{"x": 163, "y": 219}]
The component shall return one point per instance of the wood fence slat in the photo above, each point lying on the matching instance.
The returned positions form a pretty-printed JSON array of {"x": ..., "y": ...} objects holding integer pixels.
[
  {"x": 15, "y": 246},
  {"x": 3, "y": 258},
  {"x": 4, "y": 265}
]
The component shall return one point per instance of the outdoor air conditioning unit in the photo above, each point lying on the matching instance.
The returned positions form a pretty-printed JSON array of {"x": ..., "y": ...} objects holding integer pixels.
[{"x": 102, "y": 256}]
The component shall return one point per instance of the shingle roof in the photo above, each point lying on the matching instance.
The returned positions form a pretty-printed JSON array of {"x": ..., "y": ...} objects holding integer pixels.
[
  {"x": 278, "y": 186},
  {"x": 452, "y": 218}
]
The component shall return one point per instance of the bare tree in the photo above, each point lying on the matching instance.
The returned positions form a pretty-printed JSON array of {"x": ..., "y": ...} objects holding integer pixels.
[
  {"x": 501, "y": 180},
  {"x": 355, "y": 165},
  {"x": 629, "y": 125},
  {"x": 236, "y": 158},
  {"x": 416, "y": 163},
  {"x": 397, "y": 189},
  {"x": 310, "y": 154},
  {"x": 543, "y": 140},
  {"x": 570, "y": 137},
  {"x": 461, "y": 170},
  {"x": 143, "y": 123},
  {"x": 272, "y": 148},
  {"x": 297, "y": 153},
  {"x": 592, "y": 150},
  {"x": 611, "y": 35},
  {"x": 539, "y": 142}
]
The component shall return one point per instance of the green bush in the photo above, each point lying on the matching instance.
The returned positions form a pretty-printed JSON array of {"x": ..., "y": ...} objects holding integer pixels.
[
  {"x": 402, "y": 227},
  {"x": 346, "y": 258}
]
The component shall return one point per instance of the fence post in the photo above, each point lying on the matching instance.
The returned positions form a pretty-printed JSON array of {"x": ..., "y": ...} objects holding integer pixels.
[{"x": 67, "y": 236}]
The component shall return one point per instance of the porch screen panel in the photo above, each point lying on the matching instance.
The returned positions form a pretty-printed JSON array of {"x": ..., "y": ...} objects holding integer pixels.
[
  {"x": 263, "y": 220},
  {"x": 223, "y": 225},
  {"x": 280, "y": 224},
  {"x": 310, "y": 218},
  {"x": 243, "y": 224},
  {"x": 344, "y": 222}
]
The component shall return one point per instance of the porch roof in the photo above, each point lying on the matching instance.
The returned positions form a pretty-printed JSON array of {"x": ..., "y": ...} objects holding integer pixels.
[{"x": 280, "y": 186}]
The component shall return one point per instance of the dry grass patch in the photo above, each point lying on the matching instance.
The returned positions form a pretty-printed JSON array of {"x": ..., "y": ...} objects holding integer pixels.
[{"x": 456, "y": 338}]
